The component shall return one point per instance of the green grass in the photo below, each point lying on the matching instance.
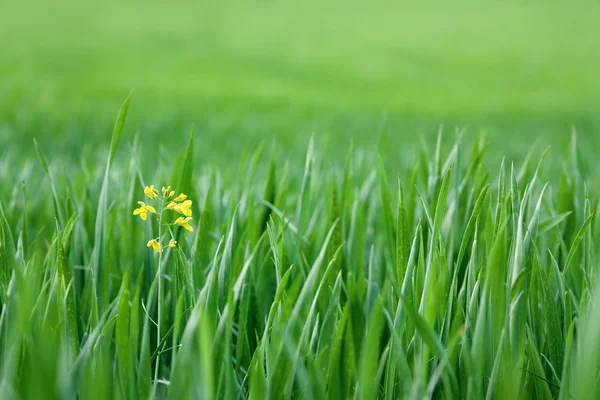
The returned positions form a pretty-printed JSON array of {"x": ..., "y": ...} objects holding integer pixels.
[{"x": 453, "y": 281}]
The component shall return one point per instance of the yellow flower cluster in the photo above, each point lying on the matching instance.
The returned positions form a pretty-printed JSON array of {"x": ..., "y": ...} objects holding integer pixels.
[{"x": 179, "y": 204}]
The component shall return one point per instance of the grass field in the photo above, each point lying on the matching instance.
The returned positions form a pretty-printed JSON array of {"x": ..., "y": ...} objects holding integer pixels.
[{"x": 338, "y": 246}]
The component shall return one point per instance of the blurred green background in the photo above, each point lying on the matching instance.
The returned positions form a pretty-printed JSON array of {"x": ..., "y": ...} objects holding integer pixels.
[{"x": 382, "y": 74}]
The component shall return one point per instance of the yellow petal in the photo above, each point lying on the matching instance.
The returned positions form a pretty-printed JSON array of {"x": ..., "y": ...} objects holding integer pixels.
[
  {"x": 179, "y": 221},
  {"x": 181, "y": 197},
  {"x": 137, "y": 211},
  {"x": 150, "y": 242},
  {"x": 156, "y": 246},
  {"x": 185, "y": 208},
  {"x": 151, "y": 209},
  {"x": 143, "y": 216},
  {"x": 171, "y": 205},
  {"x": 188, "y": 227}
]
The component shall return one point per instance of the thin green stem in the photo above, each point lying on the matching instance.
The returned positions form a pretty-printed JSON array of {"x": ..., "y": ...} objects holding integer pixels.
[{"x": 159, "y": 277}]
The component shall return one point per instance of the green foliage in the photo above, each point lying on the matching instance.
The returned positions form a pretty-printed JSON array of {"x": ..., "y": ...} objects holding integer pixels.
[{"x": 327, "y": 283}]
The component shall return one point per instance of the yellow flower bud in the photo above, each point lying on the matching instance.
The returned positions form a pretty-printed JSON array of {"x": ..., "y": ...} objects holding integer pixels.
[
  {"x": 151, "y": 192},
  {"x": 180, "y": 198}
]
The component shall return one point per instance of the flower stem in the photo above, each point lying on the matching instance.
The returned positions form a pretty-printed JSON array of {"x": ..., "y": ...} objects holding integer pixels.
[{"x": 160, "y": 296}]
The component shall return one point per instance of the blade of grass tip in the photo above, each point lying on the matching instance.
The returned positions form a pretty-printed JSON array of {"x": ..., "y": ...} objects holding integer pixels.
[
  {"x": 254, "y": 162},
  {"x": 514, "y": 195},
  {"x": 185, "y": 177},
  {"x": 225, "y": 267},
  {"x": 270, "y": 193},
  {"x": 46, "y": 168},
  {"x": 305, "y": 178},
  {"x": 64, "y": 275},
  {"x": 495, "y": 286},
  {"x": 436, "y": 234},
  {"x": 519, "y": 241},
  {"x": 336, "y": 240},
  {"x": 184, "y": 183},
  {"x": 348, "y": 178},
  {"x": 206, "y": 225},
  {"x": 576, "y": 242},
  {"x": 258, "y": 381},
  {"x": 24, "y": 218},
  {"x": 386, "y": 204},
  {"x": 471, "y": 225},
  {"x": 553, "y": 221},
  {"x": 402, "y": 238},
  {"x": 437, "y": 159},
  {"x": 101, "y": 271},
  {"x": 118, "y": 129},
  {"x": 327, "y": 332},
  {"x": 532, "y": 228},
  {"x": 68, "y": 233}
]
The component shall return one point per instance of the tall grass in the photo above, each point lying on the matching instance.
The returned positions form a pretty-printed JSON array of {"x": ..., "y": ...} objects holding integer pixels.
[{"x": 451, "y": 281}]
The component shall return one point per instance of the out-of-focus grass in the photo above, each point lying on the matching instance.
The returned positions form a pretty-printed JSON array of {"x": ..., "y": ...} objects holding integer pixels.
[{"x": 274, "y": 69}]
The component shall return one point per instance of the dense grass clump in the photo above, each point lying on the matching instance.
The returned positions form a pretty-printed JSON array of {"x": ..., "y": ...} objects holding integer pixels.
[{"x": 452, "y": 282}]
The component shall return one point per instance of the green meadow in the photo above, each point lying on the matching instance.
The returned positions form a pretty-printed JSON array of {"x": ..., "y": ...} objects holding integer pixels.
[{"x": 360, "y": 201}]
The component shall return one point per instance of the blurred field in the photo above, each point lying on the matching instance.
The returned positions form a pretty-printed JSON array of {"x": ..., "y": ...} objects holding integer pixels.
[{"x": 276, "y": 70}]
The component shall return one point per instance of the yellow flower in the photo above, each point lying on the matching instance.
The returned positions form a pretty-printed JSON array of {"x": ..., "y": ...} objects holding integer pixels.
[
  {"x": 155, "y": 245},
  {"x": 172, "y": 243},
  {"x": 185, "y": 223},
  {"x": 143, "y": 210},
  {"x": 180, "y": 198},
  {"x": 184, "y": 208},
  {"x": 151, "y": 192}
]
